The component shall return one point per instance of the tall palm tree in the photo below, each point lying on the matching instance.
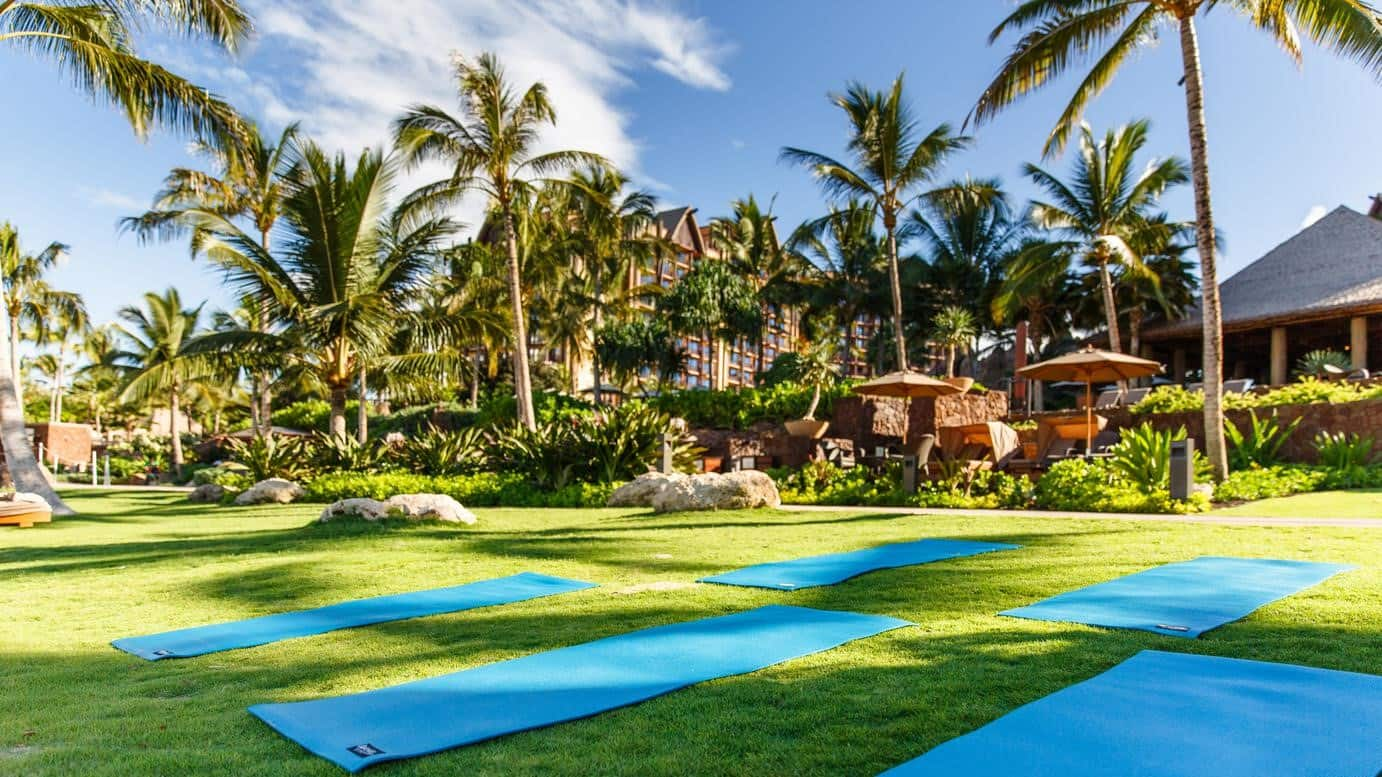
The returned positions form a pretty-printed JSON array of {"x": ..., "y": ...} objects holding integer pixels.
[
  {"x": 99, "y": 377},
  {"x": 892, "y": 162},
  {"x": 967, "y": 235},
  {"x": 341, "y": 275},
  {"x": 27, "y": 297},
  {"x": 62, "y": 327},
  {"x": 846, "y": 270},
  {"x": 748, "y": 240},
  {"x": 158, "y": 356},
  {"x": 490, "y": 147},
  {"x": 92, "y": 42},
  {"x": 1061, "y": 34},
  {"x": 1037, "y": 286},
  {"x": 247, "y": 183},
  {"x": 612, "y": 230},
  {"x": 1107, "y": 209}
]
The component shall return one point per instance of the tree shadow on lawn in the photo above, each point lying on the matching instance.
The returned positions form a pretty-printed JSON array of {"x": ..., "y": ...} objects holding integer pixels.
[{"x": 859, "y": 708}]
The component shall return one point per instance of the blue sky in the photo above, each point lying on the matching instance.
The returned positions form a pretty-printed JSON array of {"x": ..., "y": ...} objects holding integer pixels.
[{"x": 694, "y": 98}]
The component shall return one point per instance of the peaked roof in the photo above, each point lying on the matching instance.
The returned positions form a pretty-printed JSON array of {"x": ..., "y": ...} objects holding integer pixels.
[{"x": 1332, "y": 267}]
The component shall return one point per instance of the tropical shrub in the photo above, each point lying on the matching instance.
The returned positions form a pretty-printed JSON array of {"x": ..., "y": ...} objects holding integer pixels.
[
  {"x": 410, "y": 421},
  {"x": 743, "y": 407},
  {"x": 823, "y": 483},
  {"x": 1347, "y": 457},
  {"x": 1143, "y": 457},
  {"x": 1094, "y": 485},
  {"x": 1261, "y": 446},
  {"x": 1270, "y": 482},
  {"x": 481, "y": 489},
  {"x": 440, "y": 452},
  {"x": 272, "y": 456},
  {"x": 1169, "y": 399},
  {"x": 227, "y": 475},
  {"x": 344, "y": 452},
  {"x": 1305, "y": 391}
]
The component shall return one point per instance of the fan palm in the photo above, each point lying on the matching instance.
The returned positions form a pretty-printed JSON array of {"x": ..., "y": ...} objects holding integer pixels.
[
  {"x": 490, "y": 148},
  {"x": 248, "y": 183},
  {"x": 341, "y": 275},
  {"x": 1106, "y": 210},
  {"x": 93, "y": 42},
  {"x": 892, "y": 161},
  {"x": 158, "y": 357},
  {"x": 1061, "y": 34}
]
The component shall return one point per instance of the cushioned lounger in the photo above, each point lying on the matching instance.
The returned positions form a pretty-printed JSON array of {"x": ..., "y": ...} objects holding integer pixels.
[
  {"x": 1175, "y": 715},
  {"x": 1184, "y": 599},
  {"x": 836, "y": 567},
  {"x": 538, "y": 690},
  {"x": 360, "y": 612}
]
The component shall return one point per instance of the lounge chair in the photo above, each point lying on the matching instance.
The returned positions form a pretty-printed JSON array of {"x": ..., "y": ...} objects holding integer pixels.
[
  {"x": 1239, "y": 386},
  {"x": 1135, "y": 395},
  {"x": 1106, "y": 399}
]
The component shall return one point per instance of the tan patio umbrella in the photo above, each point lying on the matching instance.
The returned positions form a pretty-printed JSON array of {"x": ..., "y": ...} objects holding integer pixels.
[
  {"x": 1091, "y": 366},
  {"x": 908, "y": 385}
]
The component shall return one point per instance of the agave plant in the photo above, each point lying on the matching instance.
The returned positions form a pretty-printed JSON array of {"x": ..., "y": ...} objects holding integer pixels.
[
  {"x": 345, "y": 452},
  {"x": 271, "y": 456},
  {"x": 1322, "y": 362},
  {"x": 441, "y": 452},
  {"x": 1261, "y": 446},
  {"x": 1143, "y": 456}
]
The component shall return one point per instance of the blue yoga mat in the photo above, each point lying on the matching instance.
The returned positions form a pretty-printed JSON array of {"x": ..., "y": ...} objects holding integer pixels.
[
  {"x": 1184, "y": 599},
  {"x": 538, "y": 690},
  {"x": 360, "y": 612},
  {"x": 1178, "y": 715},
  {"x": 835, "y": 567}
]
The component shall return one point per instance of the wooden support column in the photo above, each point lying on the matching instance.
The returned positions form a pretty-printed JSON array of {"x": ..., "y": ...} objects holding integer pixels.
[
  {"x": 1358, "y": 341},
  {"x": 1279, "y": 363},
  {"x": 1178, "y": 365}
]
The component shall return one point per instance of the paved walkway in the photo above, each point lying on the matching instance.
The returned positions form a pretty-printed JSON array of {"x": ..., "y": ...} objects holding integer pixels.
[{"x": 1211, "y": 518}]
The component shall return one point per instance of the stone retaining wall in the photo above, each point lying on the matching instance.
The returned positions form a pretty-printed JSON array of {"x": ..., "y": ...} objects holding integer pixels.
[{"x": 1364, "y": 418}]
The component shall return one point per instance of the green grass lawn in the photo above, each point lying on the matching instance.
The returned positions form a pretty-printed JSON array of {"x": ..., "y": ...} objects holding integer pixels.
[
  {"x": 1324, "y": 504},
  {"x": 139, "y": 563}
]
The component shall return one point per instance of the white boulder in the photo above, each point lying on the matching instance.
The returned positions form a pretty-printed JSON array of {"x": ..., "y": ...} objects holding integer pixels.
[
  {"x": 428, "y": 507},
  {"x": 369, "y": 509},
  {"x": 710, "y": 491},
  {"x": 273, "y": 490}
]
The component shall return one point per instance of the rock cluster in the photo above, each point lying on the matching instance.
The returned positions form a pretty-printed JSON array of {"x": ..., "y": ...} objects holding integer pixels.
[
  {"x": 709, "y": 491},
  {"x": 413, "y": 507},
  {"x": 271, "y": 491}
]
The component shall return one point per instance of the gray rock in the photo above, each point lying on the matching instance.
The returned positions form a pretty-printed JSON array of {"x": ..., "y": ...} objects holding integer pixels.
[
  {"x": 640, "y": 491},
  {"x": 271, "y": 491},
  {"x": 207, "y": 492},
  {"x": 428, "y": 507}
]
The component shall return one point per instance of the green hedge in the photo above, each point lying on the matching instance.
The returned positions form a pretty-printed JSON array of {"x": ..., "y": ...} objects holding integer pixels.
[
  {"x": 743, "y": 407},
  {"x": 485, "y": 489},
  {"x": 825, "y": 484},
  {"x": 1306, "y": 391},
  {"x": 1286, "y": 479},
  {"x": 1095, "y": 485}
]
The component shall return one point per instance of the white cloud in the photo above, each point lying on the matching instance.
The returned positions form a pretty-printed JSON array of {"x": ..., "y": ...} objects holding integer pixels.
[
  {"x": 106, "y": 198},
  {"x": 1316, "y": 213},
  {"x": 348, "y": 69}
]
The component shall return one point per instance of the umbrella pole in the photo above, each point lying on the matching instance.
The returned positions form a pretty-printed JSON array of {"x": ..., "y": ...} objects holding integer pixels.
[{"x": 1088, "y": 418}]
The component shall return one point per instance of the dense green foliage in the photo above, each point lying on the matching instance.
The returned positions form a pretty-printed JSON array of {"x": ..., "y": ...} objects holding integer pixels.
[
  {"x": 1308, "y": 390},
  {"x": 1261, "y": 445},
  {"x": 1096, "y": 485},
  {"x": 1269, "y": 482},
  {"x": 1348, "y": 457},
  {"x": 824, "y": 484},
  {"x": 481, "y": 489},
  {"x": 743, "y": 407}
]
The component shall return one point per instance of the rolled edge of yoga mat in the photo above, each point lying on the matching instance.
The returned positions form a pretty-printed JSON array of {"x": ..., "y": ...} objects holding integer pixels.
[{"x": 267, "y": 629}]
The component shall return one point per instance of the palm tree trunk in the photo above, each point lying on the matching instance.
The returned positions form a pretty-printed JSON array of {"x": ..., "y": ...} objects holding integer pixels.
[
  {"x": 263, "y": 397},
  {"x": 475, "y": 382},
  {"x": 338, "y": 410},
  {"x": 174, "y": 407},
  {"x": 950, "y": 361},
  {"x": 815, "y": 402},
  {"x": 362, "y": 412},
  {"x": 599, "y": 321},
  {"x": 1115, "y": 338},
  {"x": 522, "y": 379},
  {"x": 19, "y": 455},
  {"x": 58, "y": 389},
  {"x": 895, "y": 282},
  {"x": 1215, "y": 447},
  {"x": 758, "y": 367},
  {"x": 16, "y": 371}
]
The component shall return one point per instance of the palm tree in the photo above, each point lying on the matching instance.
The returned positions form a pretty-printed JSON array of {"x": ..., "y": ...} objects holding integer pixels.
[
  {"x": 1106, "y": 210},
  {"x": 715, "y": 302},
  {"x": 490, "y": 147},
  {"x": 99, "y": 378},
  {"x": 748, "y": 241},
  {"x": 952, "y": 329},
  {"x": 892, "y": 161},
  {"x": 158, "y": 356},
  {"x": 1037, "y": 286},
  {"x": 341, "y": 276},
  {"x": 1064, "y": 33},
  {"x": 846, "y": 270},
  {"x": 612, "y": 231},
  {"x": 62, "y": 326},
  {"x": 92, "y": 43},
  {"x": 248, "y": 184},
  {"x": 27, "y": 297},
  {"x": 967, "y": 235}
]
